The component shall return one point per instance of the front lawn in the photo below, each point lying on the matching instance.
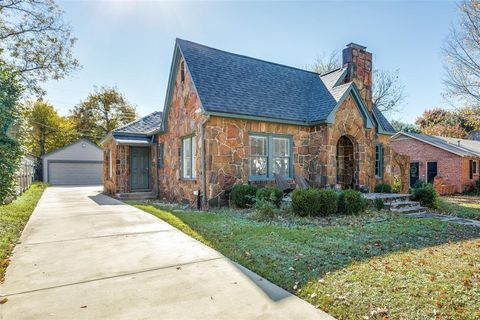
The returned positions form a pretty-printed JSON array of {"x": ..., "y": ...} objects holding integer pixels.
[
  {"x": 374, "y": 267},
  {"x": 462, "y": 206},
  {"x": 13, "y": 218}
]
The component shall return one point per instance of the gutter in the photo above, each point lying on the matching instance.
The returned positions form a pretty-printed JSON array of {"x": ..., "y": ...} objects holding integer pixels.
[{"x": 204, "y": 167}]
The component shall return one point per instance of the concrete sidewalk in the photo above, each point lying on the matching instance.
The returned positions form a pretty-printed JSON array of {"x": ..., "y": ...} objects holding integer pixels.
[{"x": 87, "y": 256}]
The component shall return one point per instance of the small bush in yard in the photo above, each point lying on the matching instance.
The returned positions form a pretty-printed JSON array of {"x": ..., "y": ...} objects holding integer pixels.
[
  {"x": 477, "y": 186},
  {"x": 351, "y": 202},
  {"x": 264, "y": 209},
  {"x": 306, "y": 202},
  {"x": 270, "y": 194},
  {"x": 328, "y": 202},
  {"x": 379, "y": 204},
  {"x": 243, "y": 195},
  {"x": 427, "y": 196},
  {"x": 383, "y": 188}
]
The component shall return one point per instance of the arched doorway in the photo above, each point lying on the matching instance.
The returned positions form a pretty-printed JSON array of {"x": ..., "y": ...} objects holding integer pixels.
[{"x": 346, "y": 162}]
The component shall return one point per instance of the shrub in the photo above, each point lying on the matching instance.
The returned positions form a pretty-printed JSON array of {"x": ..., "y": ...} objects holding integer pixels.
[
  {"x": 383, "y": 188},
  {"x": 379, "y": 204},
  {"x": 270, "y": 194},
  {"x": 306, "y": 202},
  {"x": 328, "y": 202},
  {"x": 351, "y": 202},
  {"x": 397, "y": 184},
  {"x": 264, "y": 209},
  {"x": 477, "y": 186},
  {"x": 243, "y": 195},
  {"x": 427, "y": 196}
]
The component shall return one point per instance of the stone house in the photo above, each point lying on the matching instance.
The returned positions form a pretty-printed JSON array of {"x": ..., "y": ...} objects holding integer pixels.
[
  {"x": 451, "y": 164},
  {"x": 231, "y": 119}
]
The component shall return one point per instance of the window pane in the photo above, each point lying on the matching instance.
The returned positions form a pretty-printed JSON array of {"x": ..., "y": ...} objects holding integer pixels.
[
  {"x": 258, "y": 166},
  {"x": 281, "y": 147},
  {"x": 281, "y": 166},
  {"x": 187, "y": 158},
  {"x": 258, "y": 146},
  {"x": 194, "y": 157}
]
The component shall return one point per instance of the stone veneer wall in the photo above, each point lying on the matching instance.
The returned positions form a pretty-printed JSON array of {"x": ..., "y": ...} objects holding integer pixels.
[{"x": 227, "y": 150}]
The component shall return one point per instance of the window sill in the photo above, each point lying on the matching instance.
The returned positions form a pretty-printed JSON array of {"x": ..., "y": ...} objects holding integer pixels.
[{"x": 188, "y": 179}]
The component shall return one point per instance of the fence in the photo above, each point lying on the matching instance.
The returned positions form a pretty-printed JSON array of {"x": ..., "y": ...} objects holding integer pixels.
[{"x": 26, "y": 173}]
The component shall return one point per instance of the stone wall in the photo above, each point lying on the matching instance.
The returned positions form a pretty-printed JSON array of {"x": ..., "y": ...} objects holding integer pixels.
[{"x": 120, "y": 168}]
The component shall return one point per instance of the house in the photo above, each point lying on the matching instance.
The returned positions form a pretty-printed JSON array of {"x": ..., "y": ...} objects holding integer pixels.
[
  {"x": 231, "y": 119},
  {"x": 453, "y": 160},
  {"x": 79, "y": 163}
]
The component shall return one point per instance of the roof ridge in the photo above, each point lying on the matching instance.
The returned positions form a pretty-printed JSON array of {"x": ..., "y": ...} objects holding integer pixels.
[
  {"x": 329, "y": 72},
  {"x": 249, "y": 57}
]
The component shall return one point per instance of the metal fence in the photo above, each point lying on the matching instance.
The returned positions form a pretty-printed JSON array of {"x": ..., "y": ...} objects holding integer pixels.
[{"x": 26, "y": 173}]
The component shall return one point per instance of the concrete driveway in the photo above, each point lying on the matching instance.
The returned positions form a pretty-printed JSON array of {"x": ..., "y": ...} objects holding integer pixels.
[{"x": 84, "y": 255}]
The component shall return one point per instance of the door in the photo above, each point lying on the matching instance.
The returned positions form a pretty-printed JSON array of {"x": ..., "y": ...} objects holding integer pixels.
[
  {"x": 431, "y": 171},
  {"x": 413, "y": 173},
  {"x": 140, "y": 168},
  {"x": 64, "y": 172}
]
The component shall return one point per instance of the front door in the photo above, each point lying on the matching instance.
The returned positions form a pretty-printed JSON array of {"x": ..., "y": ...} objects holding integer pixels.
[
  {"x": 140, "y": 168},
  {"x": 413, "y": 173},
  {"x": 431, "y": 171}
]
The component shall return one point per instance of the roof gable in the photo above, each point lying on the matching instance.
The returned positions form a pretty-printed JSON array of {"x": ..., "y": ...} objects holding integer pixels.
[
  {"x": 460, "y": 147},
  {"x": 144, "y": 126},
  {"x": 70, "y": 145}
]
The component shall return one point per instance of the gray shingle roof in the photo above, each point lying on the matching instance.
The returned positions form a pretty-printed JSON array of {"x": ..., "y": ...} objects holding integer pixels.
[
  {"x": 145, "y": 125},
  {"x": 232, "y": 83},
  {"x": 461, "y": 147},
  {"x": 382, "y": 120},
  {"x": 331, "y": 78}
]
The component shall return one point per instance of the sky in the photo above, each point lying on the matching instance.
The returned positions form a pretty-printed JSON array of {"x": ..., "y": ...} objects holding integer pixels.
[{"x": 129, "y": 44}]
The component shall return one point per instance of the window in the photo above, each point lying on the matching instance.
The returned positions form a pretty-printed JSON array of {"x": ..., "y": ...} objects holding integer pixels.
[
  {"x": 109, "y": 164},
  {"x": 379, "y": 160},
  {"x": 473, "y": 168},
  {"x": 189, "y": 156},
  {"x": 160, "y": 154},
  {"x": 268, "y": 155}
]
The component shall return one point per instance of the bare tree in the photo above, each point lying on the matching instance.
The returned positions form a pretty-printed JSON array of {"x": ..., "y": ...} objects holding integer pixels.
[
  {"x": 35, "y": 41},
  {"x": 388, "y": 91},
  {"x": 462, "y": 55}
]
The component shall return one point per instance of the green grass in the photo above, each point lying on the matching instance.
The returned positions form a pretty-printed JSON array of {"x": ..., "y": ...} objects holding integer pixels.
[
  {"x": 460, "y": 206},
  {"x": 375, "y": 266},
  {"x": 13, "y": 217}
]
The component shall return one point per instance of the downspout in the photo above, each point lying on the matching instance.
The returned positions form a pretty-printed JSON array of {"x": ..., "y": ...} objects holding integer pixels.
[
  {"x": 204, "y": 167},
  {"x": 157, "y": 184}
]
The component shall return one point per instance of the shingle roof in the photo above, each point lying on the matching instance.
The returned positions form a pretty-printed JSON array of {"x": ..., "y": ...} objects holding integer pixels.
[
  {"x": 331, "y": 78},
  {"x": 461, "y": 147},
  {"x": 382, "y": 120},
  {"x": 232, "y": 83},
  {"x": 144, "y": 125}
]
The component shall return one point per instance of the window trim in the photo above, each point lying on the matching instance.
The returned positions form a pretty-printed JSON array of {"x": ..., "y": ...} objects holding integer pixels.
[
  {"x": 270, "y": 156},
  {"x": 192, "y": 158},
  {"x": 475, "y": 173},
  {"x": 380, "y": 161}
]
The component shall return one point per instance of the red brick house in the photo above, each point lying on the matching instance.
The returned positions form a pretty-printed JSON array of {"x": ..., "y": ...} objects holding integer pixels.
[
  {"x": 453, "y": 160},
  {"x": 232, "y": 119}
]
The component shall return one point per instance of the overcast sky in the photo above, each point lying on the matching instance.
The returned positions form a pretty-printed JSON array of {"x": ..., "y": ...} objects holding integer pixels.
[{"x": 130, "y": 44}]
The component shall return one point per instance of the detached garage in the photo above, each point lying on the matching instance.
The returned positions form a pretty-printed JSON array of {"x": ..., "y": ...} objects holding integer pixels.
[{"x": 79, "y": 163}]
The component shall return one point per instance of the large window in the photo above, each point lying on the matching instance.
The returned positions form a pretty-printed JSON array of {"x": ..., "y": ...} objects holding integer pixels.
[
  {"x": 379, "y": 160},
  {"x": 188, "y": 159},
  {"x": 270, "y": 154}
]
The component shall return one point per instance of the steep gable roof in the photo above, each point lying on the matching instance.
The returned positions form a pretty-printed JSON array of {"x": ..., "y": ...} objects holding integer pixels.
[
  {"x": 461, "y": 147},
  {"x": 382, "y": 121},
  {"x": 145, "y": 125}
]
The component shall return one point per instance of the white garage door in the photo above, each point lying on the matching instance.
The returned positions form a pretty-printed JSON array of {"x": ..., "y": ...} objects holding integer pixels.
[{"x": 75, "y": 173}]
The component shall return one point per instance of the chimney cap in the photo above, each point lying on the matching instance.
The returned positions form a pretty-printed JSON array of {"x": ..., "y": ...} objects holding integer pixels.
[{"x": 356, "y": 46}]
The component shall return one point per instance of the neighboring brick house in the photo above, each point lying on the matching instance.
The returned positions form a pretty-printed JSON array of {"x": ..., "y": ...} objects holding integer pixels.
[
  {"x": 231, "y": 119},
  {"x": 454, "y": 161}
]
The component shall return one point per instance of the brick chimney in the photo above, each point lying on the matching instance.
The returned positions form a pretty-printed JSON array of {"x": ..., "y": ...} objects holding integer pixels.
[{"x": 358, "y": 62}]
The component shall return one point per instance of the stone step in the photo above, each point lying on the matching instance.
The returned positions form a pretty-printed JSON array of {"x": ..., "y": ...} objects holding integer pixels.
[
  {"x": 409, "y": 209},
  {"x": 401, "y": 204},
  {"x": 136, "y": 195}
]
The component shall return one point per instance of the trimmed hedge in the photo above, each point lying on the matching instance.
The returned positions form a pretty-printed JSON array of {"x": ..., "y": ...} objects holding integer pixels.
[
  {"x": 351, "y": 202},
  {"x": 243, "y": 195},
  {"x": 383, "y": 188},
  {"x": 427, "y": 196},
  {"x": 314, "y": 202},
  {"x": 270, "y": 194}
]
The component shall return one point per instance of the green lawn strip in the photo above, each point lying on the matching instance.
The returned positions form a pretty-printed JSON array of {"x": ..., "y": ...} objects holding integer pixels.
[
  {"x": 13, "y": 218},
  {"x": 462, "y": 209},
  {"x": 288, "y": 253}
]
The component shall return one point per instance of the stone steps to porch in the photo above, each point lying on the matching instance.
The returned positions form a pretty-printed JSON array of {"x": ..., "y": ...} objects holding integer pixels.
[
  {"x": 136, "y": 195},
  {"x": 398, "y": 203}
]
